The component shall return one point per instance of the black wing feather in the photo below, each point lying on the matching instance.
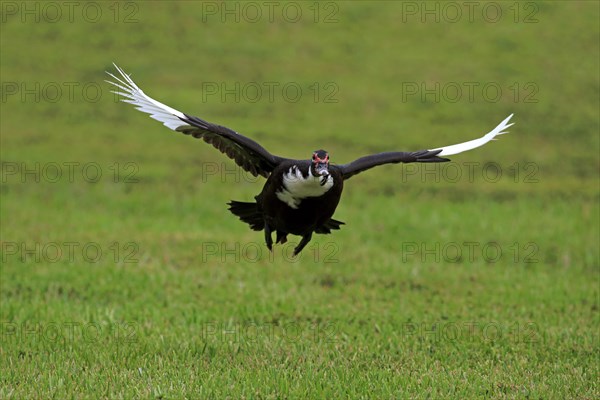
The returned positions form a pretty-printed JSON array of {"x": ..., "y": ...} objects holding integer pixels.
[
  {"x": 393, "y": 157},
  {"x": 246, "y": 153}
]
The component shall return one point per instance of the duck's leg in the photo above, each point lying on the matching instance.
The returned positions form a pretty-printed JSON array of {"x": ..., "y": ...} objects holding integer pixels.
[
  {"x": 281, "y": 237},
  {"x": 268, "y": 238},
  {"x": 305, "y": 239}
]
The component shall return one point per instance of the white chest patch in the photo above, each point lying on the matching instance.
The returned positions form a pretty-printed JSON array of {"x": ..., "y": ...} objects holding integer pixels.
[{"x": 296, "y": 187}]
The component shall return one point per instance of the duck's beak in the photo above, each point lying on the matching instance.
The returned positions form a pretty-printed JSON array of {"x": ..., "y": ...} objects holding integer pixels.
[{"x": 322, "y": 168}]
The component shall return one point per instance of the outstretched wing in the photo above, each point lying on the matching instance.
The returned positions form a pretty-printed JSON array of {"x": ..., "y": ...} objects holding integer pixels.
[
  {"x": 246, "y": 153},
  {"x": 434, "y": 155},
  {"x": 392, "y": 157}
]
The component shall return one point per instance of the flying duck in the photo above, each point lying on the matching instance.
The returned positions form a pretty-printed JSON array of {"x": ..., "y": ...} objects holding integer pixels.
[{"x": 299, "y": 196}]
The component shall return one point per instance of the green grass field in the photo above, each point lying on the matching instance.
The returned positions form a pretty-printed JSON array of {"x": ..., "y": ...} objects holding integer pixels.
[{"x": 123, "y": 275}]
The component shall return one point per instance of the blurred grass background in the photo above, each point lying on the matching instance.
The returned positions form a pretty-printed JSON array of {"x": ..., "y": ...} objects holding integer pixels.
[{"x": 364, "y": 289}]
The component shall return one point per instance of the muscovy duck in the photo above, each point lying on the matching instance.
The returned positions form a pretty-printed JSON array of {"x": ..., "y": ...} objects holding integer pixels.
[{"x": 299, "y": 196}]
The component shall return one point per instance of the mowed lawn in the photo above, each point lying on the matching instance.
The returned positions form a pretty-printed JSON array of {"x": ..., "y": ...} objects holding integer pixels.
[{"x": 123, "y": 275}]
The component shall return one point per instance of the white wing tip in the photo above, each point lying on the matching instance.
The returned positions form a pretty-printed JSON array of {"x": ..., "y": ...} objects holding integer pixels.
[
  {"x": 132, "y": 94},
  {"x": 473, "y": 144}
]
